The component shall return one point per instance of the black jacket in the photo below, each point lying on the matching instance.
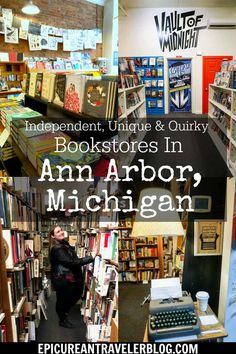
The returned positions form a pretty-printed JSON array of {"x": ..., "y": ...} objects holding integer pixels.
[{"x": 65, "y": 262}]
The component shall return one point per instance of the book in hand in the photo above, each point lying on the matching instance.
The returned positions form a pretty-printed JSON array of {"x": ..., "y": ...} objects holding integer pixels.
[{"x": 100, "y": 98}]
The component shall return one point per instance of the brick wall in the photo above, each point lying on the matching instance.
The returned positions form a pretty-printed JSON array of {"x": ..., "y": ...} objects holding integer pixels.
[{"x": 71, "y": 14}]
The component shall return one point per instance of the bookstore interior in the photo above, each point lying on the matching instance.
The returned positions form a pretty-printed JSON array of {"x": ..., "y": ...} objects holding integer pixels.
[
  {"x": 177, "y": 64},
  {"x": 177, "y": 61},
  {"x": 58, "y": 79},
  {"x": 25, "y": 287},
  {"x": 162, "y": 251}
]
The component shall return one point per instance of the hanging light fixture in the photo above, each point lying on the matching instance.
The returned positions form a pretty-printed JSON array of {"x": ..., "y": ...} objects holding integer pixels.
[{"x": 30, "y": 9}]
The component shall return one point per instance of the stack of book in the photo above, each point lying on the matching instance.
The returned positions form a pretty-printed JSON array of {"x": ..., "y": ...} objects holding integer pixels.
[
  {"x": 36, "y": 145},
  {"x": 16, "y": 112}
]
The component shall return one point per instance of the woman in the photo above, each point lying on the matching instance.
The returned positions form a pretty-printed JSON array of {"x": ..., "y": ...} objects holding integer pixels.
[{"x": 66, "y": 274}]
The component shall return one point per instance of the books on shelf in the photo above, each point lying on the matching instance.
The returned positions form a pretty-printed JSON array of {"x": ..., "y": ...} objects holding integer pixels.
[{"x": 7, "y": 244}]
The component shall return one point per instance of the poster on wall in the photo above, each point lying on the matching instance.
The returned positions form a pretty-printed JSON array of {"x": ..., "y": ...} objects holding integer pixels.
[
  {"x": 8, "y": 16},
  {"x": 11, "y": 35},
  {"x": 179, "y": 71},
  {"x": 34, "y": 42}
]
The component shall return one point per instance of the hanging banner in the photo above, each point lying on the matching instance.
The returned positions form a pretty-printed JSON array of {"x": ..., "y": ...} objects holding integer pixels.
[{"x": 179, "y": 71}]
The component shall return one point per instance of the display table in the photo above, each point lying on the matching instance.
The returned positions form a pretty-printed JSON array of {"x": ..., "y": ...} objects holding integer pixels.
[{"x": 208, "y": 332}]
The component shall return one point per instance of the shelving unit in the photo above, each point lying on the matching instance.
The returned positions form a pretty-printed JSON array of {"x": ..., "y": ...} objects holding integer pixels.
[
  {"x": 98, "y": 233},
  {"x": 146, "y": 255},
  {"x": 222, "y": 123},
  {"x": 20, "y": 273},
  {"x": 13, "y": 73},
  {"x": 151, "y": 71},
  {"x": 125, "y": 109}
]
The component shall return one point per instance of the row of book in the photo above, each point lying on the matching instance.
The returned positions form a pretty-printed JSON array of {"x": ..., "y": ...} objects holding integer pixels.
[
  {"x": 146, "y": 251},
  {"x": 127, "y": 277},
  {"x": 127, "y": 266},
  {"x": 221, "y": 135},
  {"x": 223, "y": 118},
  {"x": 11, "y": 77},
  {"x": 150, "y": 263},
  {"x": 157, "y": 72},
  {"x": 127, "y": 255},
  {"x": 15, "y": 214},
  {"x": 147, "y": 275},
  {"x": 126, "y": 244},
  {"x": 82, "y": 62},
  {"x": 21, "y": 248},
  {"x": 146, "y": 240},
  {"x": 22, "y": 188},
  {"x": 77, "y": 93},
  {"x": 227, "y": 76},
  {"x": 128, "y": 65},
  {"x": 223, "y": 98}
]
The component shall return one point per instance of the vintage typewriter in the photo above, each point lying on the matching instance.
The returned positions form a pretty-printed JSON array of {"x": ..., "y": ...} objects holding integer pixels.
[{"x": 172, "y": 317}]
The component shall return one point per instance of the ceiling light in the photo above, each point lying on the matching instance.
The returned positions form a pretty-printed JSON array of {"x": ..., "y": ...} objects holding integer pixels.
[{"x": 30, "y": 9}]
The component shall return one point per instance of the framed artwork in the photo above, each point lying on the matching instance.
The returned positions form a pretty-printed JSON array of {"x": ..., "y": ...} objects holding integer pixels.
[{"x": 208, "y": 237}]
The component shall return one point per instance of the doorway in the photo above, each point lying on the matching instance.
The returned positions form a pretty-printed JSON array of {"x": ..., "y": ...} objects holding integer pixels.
[
  {"x": 211, "y": 65},
  {"x": 180, "y": 92}
]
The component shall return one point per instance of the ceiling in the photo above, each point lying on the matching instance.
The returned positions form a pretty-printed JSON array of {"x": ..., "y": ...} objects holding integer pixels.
[{"x": 176, "y": 3}]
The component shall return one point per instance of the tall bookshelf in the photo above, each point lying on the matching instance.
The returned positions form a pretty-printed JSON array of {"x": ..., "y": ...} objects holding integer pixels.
[
  {"x": 97, "y": 233},
  {"x": 21, "y": 267},
  {"x": 222, "y": 123},
  {"x": 141, "y": 259}
]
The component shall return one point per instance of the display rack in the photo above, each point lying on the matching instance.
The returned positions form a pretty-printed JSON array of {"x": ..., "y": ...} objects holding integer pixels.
[
  {"x": 222, "y": 123},
  {"x": 126, "y": 109},
  {"x": 151, "y": 71},
  {"x": 12, "y": 72}
]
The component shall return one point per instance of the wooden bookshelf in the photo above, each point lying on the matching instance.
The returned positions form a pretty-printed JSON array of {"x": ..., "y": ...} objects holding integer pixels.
[
  {"x": 12, "y": 72},
  {"x": 144, "y": 254},
  {"x": 4, "y": 296},
  {"x": 16, "y": 293}
]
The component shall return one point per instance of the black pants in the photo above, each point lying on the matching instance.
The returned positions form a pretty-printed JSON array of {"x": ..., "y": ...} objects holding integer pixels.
[{"x": 67, "y": 296}]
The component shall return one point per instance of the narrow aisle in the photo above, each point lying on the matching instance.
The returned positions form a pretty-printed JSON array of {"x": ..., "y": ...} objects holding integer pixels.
[{"x": 50, "y": 331}]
